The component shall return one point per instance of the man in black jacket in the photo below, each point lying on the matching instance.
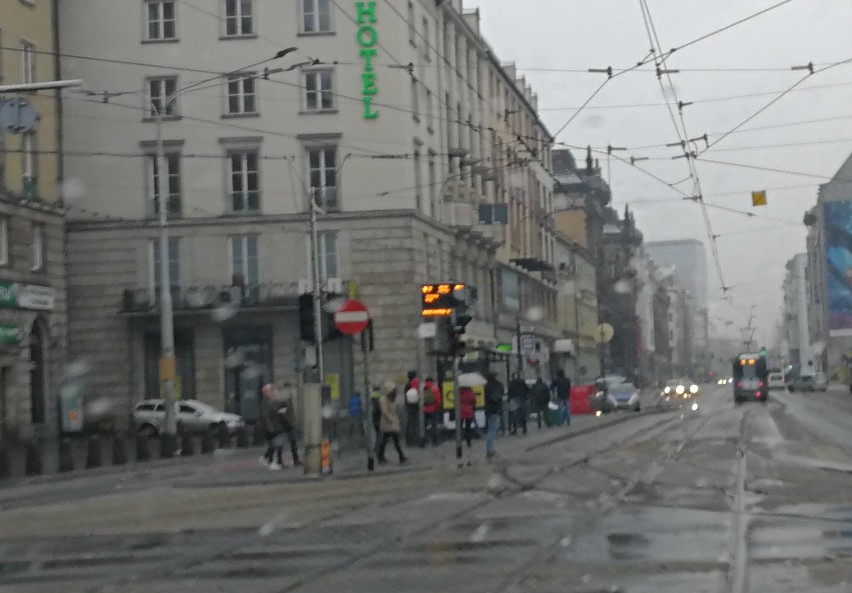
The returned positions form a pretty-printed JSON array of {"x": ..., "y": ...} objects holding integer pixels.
[
  {"x": 493, "y": 412},
  {"x": 562, "y": 390}
]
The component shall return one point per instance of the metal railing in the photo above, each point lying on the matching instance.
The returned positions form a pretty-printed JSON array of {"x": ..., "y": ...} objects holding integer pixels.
[{"x": 281, "y": 294}]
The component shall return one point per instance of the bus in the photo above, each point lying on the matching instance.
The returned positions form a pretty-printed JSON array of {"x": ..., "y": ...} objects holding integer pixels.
[{"x": 751, "y": 378}]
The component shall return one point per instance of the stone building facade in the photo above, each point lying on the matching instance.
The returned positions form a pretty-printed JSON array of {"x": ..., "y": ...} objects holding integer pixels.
[{"x": 400, "y": 158}]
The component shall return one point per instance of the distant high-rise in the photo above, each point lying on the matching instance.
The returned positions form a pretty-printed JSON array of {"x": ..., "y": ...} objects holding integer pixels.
[{"x": 689, "y": 258}]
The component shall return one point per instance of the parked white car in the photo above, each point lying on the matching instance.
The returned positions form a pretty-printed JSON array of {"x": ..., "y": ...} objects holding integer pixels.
[{"x": 195, "y": 416}]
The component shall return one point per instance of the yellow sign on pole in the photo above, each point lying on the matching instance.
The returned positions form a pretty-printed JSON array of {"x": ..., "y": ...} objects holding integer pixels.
[
  {"x": 758, "y": 198},
  {"x": 449, "y": 400},
  {"x": 333, "y": 382}
]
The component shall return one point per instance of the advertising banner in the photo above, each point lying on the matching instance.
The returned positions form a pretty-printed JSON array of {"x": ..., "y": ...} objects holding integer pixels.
[{"x": 838, "y": 267}]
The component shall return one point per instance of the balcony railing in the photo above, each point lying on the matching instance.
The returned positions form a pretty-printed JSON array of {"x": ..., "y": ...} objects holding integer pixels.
[{"x": 252, "y": 296}]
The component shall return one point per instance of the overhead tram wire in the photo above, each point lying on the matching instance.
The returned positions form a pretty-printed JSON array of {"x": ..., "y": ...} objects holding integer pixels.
[
  {"x": 811, "y": 72},
  {"x": 682, "y": 132}
]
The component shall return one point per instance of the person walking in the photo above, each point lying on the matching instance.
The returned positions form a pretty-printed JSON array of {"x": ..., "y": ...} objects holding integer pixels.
[
  {"x": 288, "y": 429},
  {"x": 389, "y": 423},
  {"x": 540, "y": 397},
  {"x": 467, "y": 404},
  {"x": 518, "y": 396},
  {"x": 273, "y": 425},
  {"x": 562, "y": 390},
  {"x": 411, "y": 392},
  {"x": 376, "y": 415},
  {"x": 433, "y": 410},
  {"x": 493, "y": 412}
]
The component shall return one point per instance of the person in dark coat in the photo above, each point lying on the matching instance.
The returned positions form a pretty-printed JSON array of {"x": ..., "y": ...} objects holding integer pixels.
[
  {"x": 493, "y": 412},
  {"x": 562, "y": 390},
  {"x": 279, "y": 424},
  {"x": 540, "y": 396},
  {"x": 518, "y": 396}
]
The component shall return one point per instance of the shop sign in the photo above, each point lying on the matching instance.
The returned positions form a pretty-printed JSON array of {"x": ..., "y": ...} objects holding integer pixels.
[
  {"x": 9, "y": 334},
  {"x": 26, "y": 296},
  {"x": 367, "y": 37}
]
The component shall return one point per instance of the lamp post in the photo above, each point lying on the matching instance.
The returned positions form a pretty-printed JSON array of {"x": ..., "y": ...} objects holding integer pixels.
[{"x": 168, "y": 364}]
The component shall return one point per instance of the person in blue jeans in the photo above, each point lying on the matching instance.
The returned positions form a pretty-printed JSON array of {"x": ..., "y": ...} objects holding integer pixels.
[{"x": 493, "y": 412}]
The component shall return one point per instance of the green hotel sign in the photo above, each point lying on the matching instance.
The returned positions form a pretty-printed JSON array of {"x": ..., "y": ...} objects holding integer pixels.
[{"x": 368, "y": 37}]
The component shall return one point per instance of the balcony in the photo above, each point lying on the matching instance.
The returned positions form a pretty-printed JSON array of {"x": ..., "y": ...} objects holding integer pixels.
[{"x": 276, "y": 296}]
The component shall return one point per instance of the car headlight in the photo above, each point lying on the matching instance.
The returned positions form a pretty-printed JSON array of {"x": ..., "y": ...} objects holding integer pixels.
[
  {"x": 693, "y": 389},
  {"x": 667, "y": 390},
  {"x": 680, "y": 389}
]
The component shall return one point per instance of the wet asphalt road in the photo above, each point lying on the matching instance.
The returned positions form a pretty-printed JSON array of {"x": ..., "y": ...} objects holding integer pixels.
[{"x": 749, "y": 498}]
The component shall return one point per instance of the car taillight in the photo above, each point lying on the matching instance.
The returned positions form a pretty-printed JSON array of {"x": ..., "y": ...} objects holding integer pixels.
[
  {"x": 740, "y": 385},
  {"x": 758, "y": 394},
  {"x": 760, "y": 384}
]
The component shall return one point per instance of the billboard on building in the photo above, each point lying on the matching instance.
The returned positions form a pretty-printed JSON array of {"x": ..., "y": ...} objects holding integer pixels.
[{"x": 838, "y": 267}]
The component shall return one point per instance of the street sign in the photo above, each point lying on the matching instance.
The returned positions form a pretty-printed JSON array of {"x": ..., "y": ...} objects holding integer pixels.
[
  {"x": 17, "y": 116},
  {"x": 351, "y": 318}
]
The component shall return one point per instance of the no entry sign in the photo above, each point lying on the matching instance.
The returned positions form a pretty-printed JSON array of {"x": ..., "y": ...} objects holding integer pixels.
[{"x": 352, "y": 318}]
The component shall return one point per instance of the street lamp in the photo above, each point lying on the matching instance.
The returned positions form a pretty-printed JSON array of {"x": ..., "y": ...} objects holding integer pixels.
[{"x": 168, "y": 365}]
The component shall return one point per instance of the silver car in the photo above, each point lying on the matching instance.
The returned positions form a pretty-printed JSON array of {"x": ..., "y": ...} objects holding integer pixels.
[{"x": 193, "y": 415}]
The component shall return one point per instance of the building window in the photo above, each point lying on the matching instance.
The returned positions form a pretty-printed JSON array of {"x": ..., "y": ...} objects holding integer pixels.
[
  {"x": 412, "y": 30},
  {"x": 174, "y": 264},
  {"x": 244, "y": 259},
  {"x": 28, "y": 62},
  {"x": 319, "y": 95},
  {"x": 415, "y": 99},
  {"x": 159, "y": 91},
  {"x": 4, "y": 241},
  {"x": 239, "y": 18},
  {"x": 316, "y": 16},
  {"x": 327, "y": 243},
  {"x": 322, "y": 170},
  {"x": 161, "y": 20},
  {"x": 427, "y": 49},
  {"x": 245, "y": 184},
  {"x": 173, "y": 175},
  {"x": 37, "y": 247},
  {"x": 241, "y": 94},
  {"x": 29, "y": 172}
]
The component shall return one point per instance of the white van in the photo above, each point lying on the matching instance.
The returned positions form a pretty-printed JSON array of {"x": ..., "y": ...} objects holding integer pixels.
[{"x": 776, "y": 380}]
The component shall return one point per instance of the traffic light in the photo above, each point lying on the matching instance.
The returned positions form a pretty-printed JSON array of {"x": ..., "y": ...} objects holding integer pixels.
[
  {"x": 458, "y": 325},
  {"x": 307, "y": 331}
]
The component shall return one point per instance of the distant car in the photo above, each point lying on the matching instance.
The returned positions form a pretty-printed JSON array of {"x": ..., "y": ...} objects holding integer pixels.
[
  {"x": 193, "y": 415},
  {"x": 776, "y": 381},
  {"x": 680, "y": 388},
  {"x": 626, "y": 396}
]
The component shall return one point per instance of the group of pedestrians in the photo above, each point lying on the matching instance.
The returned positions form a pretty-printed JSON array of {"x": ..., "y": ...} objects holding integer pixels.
[{"x": 278, "y": 422}]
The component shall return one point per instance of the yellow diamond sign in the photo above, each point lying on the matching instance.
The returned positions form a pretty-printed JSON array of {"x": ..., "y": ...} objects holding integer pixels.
[{"x": 758, "y": 198}]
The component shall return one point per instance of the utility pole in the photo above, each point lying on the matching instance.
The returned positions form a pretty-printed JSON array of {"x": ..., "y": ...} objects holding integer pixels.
[{"x": 315, "y": 263}]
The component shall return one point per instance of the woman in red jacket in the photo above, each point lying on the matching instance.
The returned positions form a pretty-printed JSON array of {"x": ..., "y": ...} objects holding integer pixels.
[
  {"x": 468, "y": 405},
  {"x": 433, "y": 410}
]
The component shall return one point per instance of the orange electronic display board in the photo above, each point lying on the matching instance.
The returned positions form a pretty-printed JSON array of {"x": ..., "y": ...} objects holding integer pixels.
[{"x": 438, "y": 300}]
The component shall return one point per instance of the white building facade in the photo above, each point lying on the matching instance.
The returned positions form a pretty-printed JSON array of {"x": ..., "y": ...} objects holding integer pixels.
[{"x": 394, "y": 116}]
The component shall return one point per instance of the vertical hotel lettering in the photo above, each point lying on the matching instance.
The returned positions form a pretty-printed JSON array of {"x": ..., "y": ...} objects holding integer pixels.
[{"x": 367, "y": 39}]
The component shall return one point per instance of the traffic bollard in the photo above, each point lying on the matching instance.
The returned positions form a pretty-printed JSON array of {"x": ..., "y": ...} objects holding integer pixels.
[
  {"x": 143, "y": 453},
  {"x": 223, "y": 435},
  {"x": 94, "y": 457},
  {"x": 242, "y": 437},
  {"x": 119, "y": 450},
  {"x": 33, "y": 465},
  {"x": 66, "y": 455},
  {"x": 187, "y": 444},
  {"x": 207, "y": 442},
  {"x": 5, "y": 466}
]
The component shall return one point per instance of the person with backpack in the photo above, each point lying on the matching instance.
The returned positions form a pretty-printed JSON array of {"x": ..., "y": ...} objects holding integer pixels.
[
  {"x": 433, "y": 410},
  {"x": 518, "y": 395}
]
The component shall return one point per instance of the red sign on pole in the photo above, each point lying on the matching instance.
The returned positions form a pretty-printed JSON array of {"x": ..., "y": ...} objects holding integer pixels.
[{"x": 352, "y": 318}]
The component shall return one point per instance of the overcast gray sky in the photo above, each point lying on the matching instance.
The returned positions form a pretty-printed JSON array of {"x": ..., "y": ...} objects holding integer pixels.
[{"x": 545, "y": 38}]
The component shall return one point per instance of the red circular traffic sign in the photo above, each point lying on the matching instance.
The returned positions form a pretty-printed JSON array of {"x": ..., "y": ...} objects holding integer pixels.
[{"x": 352, "y": 317}]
